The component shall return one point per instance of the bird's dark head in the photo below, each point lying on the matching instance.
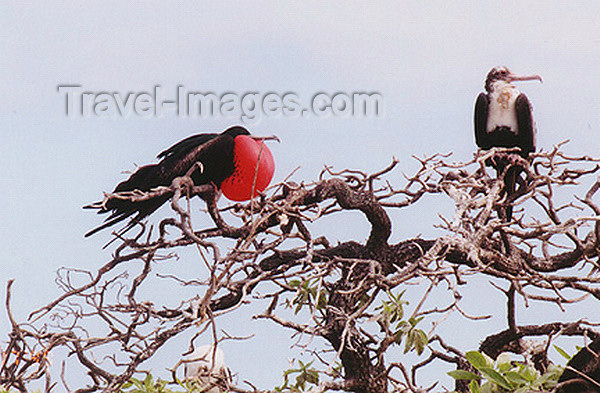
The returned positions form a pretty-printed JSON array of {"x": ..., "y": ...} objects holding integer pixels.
[
  {"x": 239, "y": 130},
  {"x": 235, "y": 131},
  {"x": 503, "y": 74}
]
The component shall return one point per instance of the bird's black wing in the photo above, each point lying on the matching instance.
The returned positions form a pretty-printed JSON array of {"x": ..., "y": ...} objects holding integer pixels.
[
  {"x": 526, "y": 136},
  {"x": 144, "y": 179},
  {"x": 585, "y": 362},
  {"x": 482, "y": 138},
  {"x": 175, "y": 162},
  {"x": 186, "y": 145}
]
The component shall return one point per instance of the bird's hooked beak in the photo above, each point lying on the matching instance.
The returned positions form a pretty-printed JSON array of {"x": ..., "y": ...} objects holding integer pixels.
[
  {"x": 514, "y": 77},
  {"x": 266, "y": 138}
]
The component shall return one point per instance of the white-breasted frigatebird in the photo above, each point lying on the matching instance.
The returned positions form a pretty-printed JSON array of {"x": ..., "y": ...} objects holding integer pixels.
[
  {"x": 503, "y": 118},
  {"x": 207, "y": 365},
  {"x": 237, "y": 163}
]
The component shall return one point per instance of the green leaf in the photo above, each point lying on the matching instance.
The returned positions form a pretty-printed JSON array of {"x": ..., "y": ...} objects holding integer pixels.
[
  {"x": 408, "y": 344},
  {"x": 138, "y": 383},
  {"x": 504, "y": 367},
  {"x": 503, "y": 358},
  {"x": 312, "y": 377},
  {"x": 488, "y": 360},
  {"x": 322, "y": 300},
  {"x": 562, "y": 352},
  {"x": 490, "y": 387},
  {"x": 476, "y": 359},
  {"x": 496, "y": 377},
  {"x": 550, "y": 378},
  {"x": 398, "y": 337},
  {"x": 463, "y": 375},
  {"x": 530, "y": 373},
  {"x": 474, "y": 387},
  {"x": 516, "y": 378},
  {"x": 421, "y": 341},
  {"x": 403, "y": 326}
]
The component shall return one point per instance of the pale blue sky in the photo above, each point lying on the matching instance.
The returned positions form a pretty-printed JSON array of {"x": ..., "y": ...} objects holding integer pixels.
[{"x": 427, "y": 59}]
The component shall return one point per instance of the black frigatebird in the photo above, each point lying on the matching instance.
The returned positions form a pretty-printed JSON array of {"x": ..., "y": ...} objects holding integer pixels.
[
  {"x": 239, "y": 164},
  {"x": 582, "y": 374},
  {"x": 503, "y": 118}
]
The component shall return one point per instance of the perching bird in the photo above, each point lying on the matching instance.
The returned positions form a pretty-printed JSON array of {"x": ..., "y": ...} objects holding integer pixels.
[
  {"x": 207, "y": 365},
  {"x": 503, "y": 118},
  {"x": 586, "y": 378},
  {"x": 234, "y": 161}
]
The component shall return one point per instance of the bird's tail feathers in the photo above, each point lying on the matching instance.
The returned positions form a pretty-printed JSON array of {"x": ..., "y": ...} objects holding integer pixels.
[
  {"x": 510, "y": 184},
  {"x": 110, "y": 221},
  {"x": 123, "y": 230},
  {"x": 148, "y": 208},
  {"x": 144, "y": 179},
  {"x": 100, "y": 206}
]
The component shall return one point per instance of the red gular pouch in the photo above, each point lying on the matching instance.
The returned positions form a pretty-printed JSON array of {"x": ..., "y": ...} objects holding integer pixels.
[{"x": 254, "y": 167}]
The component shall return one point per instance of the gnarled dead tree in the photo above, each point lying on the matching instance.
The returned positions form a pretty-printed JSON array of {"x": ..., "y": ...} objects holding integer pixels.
[{"x": 349, "y": 294}]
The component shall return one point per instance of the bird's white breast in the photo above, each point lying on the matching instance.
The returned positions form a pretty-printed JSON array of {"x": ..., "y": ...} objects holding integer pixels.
[
  {"x": 501, "y": 111},
  {"x": 207, "y": 365}
]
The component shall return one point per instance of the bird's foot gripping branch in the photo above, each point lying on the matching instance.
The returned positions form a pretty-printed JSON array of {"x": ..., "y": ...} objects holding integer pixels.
[{"x": 370, "y": 314}]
